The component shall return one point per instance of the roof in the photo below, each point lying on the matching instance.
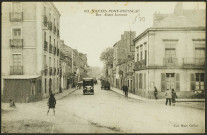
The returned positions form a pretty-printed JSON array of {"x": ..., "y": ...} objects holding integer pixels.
[
  {"x": 188, "y": 18},
  {"x": 21, "y": 76}
]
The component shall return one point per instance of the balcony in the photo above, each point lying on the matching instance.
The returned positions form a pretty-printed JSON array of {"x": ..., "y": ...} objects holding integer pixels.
[
  {"x": 16, "y": 16},
  {"x": 50, "y": 71},
  {"x": 45, "y": 21},
  {"x": 140, "y": 64},
  {"x": 16, "y": 70},
  {"x": 50, "y": 49},
  {"x": 170, "y": 61},
  {"x": 16, "y": 43},
  {"x": 45, "y": 46},
  {"x": 193, "y": 62},
  {"x": 50, "y": 25},
  {"x": 54, "y": 50}
]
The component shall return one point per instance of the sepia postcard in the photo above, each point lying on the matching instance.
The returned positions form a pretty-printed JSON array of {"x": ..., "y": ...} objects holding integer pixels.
[{"x": 103, "y": 67}]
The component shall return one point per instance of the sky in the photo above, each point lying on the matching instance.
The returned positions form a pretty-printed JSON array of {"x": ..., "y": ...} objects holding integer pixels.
[{"x": 91, "y": 34}]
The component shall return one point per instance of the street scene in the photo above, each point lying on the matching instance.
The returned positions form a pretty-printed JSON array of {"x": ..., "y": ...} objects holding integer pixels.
[
  {"x": 104, "y": 112},
  {"x": 103, "y": 67}
]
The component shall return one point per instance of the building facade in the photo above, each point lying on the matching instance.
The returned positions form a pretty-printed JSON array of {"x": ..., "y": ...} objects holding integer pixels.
[
  {"x": 123, "y": 50},
  {"x": 171, "y": 55},
  {"x": 30, "y": 50}
]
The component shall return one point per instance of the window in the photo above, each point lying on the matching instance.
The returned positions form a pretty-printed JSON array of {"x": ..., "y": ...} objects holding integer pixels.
[
  {"x": 50, "y": 61},
  {"x": 199, "y": 81},
  {"x": 138, "y": 54},
  {"x": 17, "y": 60},
  {"x": 45, "y": 61},
  {"x": 45, "y": 36},
  {"x": 54, "y": 42},
  {"x": 16, "y": 33},
  {"x": 45, "y": 85},
  {"x": 50, "y": 17},
  {"x": 50, "y": 40},
  {"x": 141, "y": 57}
]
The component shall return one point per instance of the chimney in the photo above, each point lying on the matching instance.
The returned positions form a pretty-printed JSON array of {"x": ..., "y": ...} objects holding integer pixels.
[{"x": 178, "y": 10}]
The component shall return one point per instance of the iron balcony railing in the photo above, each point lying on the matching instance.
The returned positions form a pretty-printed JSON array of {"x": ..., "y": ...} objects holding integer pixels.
[
  {"x": 16, "y": 43},
  {"x": 45, "y": 45},
  {"x": 140, "y": 64},
  {"x": 45, "y": 20},
  {"x": 16, "y": 16},
  {"x": 170, "y": 61},
  {"x": 193, "y": 61},
  {"x": 16, "y": 70}
]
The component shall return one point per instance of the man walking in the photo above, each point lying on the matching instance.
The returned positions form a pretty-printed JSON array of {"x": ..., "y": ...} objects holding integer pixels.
[
  {"x": 155, "y": 93},
  {"x": 168, "y": 95},
  {"x": 125, "y": 90}
]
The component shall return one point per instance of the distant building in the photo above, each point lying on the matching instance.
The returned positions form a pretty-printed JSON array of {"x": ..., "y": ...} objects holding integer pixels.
[
  {"x": 123, "y": 49},
  {"x": 30, "y": 50},
  {"x": 171, "y": 54}
]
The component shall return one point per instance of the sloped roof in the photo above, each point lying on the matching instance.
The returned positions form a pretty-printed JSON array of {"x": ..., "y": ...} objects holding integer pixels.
[{"x": 189, "y": 18}]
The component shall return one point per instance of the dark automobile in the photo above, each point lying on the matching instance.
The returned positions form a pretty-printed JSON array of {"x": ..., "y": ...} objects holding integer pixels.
[
  {"x": 105, "y": 85},
  {"x": 88, "y": 86}
]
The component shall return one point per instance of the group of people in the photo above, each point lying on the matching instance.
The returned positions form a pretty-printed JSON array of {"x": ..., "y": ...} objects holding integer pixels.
[{"x": 169, "y": 95}]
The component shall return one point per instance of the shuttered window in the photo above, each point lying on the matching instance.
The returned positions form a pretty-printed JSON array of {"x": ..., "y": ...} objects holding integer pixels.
[
  {"x": 192, "y": 82},
  {"x": 177, "y": 82},
  {"x": 163, "y": 86}
]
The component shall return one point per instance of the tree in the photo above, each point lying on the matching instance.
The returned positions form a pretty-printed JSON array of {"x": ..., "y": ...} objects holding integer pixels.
[{"x": 107, "y": 56}]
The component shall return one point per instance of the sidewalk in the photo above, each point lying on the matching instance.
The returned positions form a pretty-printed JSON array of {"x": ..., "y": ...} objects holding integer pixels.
[
  {"x": 146, "y": 99},
  {"x": 64, "y": 93}
]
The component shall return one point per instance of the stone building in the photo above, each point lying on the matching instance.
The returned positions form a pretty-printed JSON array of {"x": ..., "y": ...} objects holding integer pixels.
[
  {"x": 123, "y": 49},
  {"x": 30, "y": 50},
  {"x": 171, "y": 54}
]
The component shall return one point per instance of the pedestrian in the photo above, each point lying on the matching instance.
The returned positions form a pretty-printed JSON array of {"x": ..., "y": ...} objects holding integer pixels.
[
  {"x": 168, "y": 95},
  {"x": 174, "y": 95},
  {"x": 125, "y": 90},
  {"x": 51, "y": 103},
  {"x": 155, "y": 93},
  {"x": 11, "y": 103}
]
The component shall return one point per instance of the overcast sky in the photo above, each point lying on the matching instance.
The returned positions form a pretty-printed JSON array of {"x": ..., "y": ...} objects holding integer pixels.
[{"x": 91, "y": 34}]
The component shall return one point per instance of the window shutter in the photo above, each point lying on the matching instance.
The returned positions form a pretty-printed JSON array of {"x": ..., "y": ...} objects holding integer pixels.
[
  {"x": 163, "y": 83},
  {"x": 192, "y": 82},
  {"x": 177, "y": 76}
]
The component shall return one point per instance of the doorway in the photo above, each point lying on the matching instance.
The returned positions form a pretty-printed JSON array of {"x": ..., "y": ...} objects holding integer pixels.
[{"x": 170, "y": 80}]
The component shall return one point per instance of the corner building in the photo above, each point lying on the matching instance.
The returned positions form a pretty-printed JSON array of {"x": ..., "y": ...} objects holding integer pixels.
[
  {"x": 30, "y": 50},
  {"x": 171, "y": 55}
]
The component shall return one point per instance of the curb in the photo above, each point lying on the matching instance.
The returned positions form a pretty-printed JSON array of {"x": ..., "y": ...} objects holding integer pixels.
[{"x": 178, "y": 100}]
